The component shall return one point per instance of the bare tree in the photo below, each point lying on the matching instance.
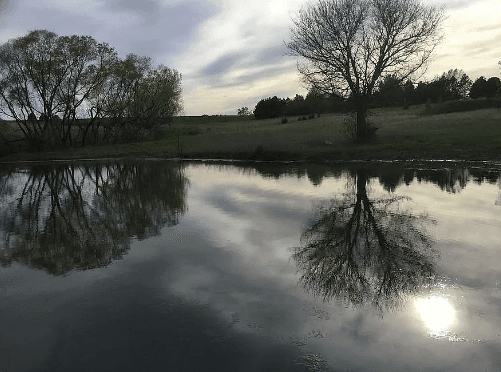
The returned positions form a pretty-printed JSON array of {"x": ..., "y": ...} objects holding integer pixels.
[{"x": 349, "y": 45}]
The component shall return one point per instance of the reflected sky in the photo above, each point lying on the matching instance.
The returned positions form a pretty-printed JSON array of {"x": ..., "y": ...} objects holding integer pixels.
[{"x": 220, "y": 289}]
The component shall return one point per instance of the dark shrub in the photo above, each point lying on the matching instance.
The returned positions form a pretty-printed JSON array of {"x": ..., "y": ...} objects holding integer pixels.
[
  {"x": 284, "y": 120},
  {"x": 465, "y": 105},
  {"x": 269, "y": 108}
]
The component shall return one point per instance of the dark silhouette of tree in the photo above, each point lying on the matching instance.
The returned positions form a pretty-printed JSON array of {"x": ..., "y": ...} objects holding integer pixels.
[
  {"x": 134, "y": 100},
  {"x": 462, "y": 86},
  {"x": 298, "y": 106},
  {"x": 479, "y": 88},
  {"x": 272, "y": 107},
  {"x": 66, "y": 217},
  {"x": 421, "y": 93},
  {"x": 316, "y": 102},
  {"x": 45, "y": 74},
  {"x": 64, "y": 79},
  {"x": 408, "y": 93},
  {"x": 362, "y": 251},
  {"x": 244, "y": 111},
  {"x": 349, "y": 45},
  {"x": 389, "y": 92},
  {"x": 492, "y": 87},
  {"x": 451, "y": 85}
]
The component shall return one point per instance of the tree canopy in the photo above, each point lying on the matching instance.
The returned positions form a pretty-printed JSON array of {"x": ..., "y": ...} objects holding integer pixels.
[{"x": 49, "y": 82}]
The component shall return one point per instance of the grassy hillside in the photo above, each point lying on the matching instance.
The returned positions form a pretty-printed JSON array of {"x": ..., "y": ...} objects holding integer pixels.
[{"x": 403, "y": 134}]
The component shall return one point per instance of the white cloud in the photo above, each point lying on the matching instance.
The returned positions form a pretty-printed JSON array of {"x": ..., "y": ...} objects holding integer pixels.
[
  {"x": 472, "y": 33},
  {"x": 243, "y": 47}
]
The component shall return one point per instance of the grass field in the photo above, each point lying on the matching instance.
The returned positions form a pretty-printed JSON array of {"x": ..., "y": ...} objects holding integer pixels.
[{"x": 403, "y": 134}]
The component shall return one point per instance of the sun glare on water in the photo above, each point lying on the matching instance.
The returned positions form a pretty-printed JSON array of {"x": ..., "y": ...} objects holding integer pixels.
[{"x": 436, "y": 312}]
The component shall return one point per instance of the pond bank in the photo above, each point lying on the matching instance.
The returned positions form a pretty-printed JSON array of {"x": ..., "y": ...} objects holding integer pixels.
[
  {"x": 335, "y": 155},
  {"x": 402, "y": 135}
]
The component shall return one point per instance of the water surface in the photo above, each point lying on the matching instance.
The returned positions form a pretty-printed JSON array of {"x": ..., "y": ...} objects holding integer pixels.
[{"x": 166, "y": 266}]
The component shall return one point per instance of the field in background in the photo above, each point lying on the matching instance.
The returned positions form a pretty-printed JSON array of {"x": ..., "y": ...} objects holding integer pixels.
[{"x": 402, "y": 134}]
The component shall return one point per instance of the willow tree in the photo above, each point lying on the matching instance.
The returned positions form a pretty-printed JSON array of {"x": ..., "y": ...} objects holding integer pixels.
[
  {"x": 49, "y": 82},
  {"x": 346, "y": 46},
  {"x": 45, "y": 80},
  {"x": 135, "y": 99}
]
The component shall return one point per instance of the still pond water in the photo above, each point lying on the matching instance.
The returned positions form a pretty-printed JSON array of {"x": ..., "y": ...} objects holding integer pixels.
[{"x": 166, "y": 266}]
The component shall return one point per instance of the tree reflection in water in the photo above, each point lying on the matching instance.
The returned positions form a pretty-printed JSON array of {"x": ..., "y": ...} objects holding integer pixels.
[
  {"x": 63, "y": 217},
  {"x": 366, "y": 251}
]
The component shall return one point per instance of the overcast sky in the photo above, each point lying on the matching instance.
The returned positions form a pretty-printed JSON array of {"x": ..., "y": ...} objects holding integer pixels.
[{"x": 231, "y": 52}]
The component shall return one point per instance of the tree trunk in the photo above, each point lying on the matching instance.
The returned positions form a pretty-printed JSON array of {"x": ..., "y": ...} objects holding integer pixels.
[
  {"x": 362, "y": 105},
  {"x": 361, "y": 124}
]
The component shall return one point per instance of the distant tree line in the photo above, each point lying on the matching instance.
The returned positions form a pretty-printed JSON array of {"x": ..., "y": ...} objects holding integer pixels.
[
  {"x": 451, "y": 85},
  {"x": 72, "y": 90},
  {"x": 313, "y": 103},
  {"x": 390, "y": 92}
]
